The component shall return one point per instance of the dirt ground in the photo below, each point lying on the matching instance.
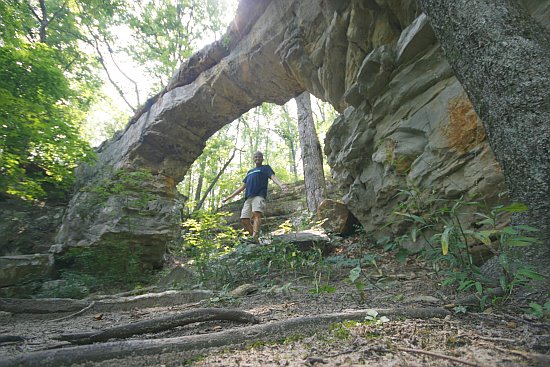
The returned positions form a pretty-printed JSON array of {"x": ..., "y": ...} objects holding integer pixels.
[{"x": 503, "y": 335}]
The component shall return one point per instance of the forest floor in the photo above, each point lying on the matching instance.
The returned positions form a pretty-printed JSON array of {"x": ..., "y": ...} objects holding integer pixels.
[{"x": 502, "y": 335}]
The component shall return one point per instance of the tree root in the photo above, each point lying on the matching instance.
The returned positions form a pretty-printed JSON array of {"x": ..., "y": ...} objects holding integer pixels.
[
  {"x": 53, "y": 305},
  {"x": 159, "y": 324},
  {"x": 11, "y": 339},
  {"x": 76, "y": 313},
  {"x": 194, "y": 344}
]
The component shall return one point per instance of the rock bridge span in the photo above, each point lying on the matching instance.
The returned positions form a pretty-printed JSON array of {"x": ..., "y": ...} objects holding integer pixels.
[{"x": 376, "y": 61}]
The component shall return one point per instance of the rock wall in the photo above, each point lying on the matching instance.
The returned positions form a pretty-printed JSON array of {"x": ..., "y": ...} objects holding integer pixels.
[{"x": 410, "y": 125}]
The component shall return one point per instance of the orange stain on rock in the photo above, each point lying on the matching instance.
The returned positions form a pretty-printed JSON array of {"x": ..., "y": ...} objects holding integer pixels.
[{"x": 464, "y": 130}]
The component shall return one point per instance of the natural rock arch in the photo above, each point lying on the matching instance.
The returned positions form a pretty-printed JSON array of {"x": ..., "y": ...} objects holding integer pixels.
[{"x": 380, "y": 58}]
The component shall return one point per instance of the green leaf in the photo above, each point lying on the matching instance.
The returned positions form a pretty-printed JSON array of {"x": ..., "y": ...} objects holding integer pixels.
[
  {"x": 514, "y": 208},
  {"x": 465, "y": 284},
  {"x": 530, "y": 274},
  {"x": 355, "y": 273},
  {"x": 402, "y": 255},
  {"x": 503, "y": 282},
  {"x": 445, "y": 240},
  {"x": 536, "y": 309},
  {"x": 521, "y": 241},
  {"x": 412, "y": 217},
  {"x": 448, "y": 281},
  {"x": 527, "y": 228},
  {"x": 483, "y": 236},
  {"x": 503, "y": 261},
  {"x": 460, "y": 309}
]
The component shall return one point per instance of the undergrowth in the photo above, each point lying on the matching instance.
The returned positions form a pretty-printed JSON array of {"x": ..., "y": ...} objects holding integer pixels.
[
  {"x": 214, "y": 250},
  {"x": 455, "y": 249}
]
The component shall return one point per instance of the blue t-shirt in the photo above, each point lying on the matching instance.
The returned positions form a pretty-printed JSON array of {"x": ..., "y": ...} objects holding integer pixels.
[{"x": 256, "y": 181}]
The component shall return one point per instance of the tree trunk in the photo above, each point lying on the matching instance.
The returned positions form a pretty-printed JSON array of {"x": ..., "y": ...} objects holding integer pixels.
[
  {"x": 501, "y": 56},
  {"x": 292, "y": 157},
  {"x": 312, "y": 157},
  {"x": 198, "y": 191},
  {"x": 215, "y": 180}
]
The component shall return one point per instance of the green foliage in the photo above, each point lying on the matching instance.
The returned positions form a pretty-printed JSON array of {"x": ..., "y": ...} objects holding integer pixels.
[
  {"x": 165, "y": 32},
  {"x": 108, "y": 266},
  {"x": 132, "y": 186},
  {"x": 539, "y": 311},
  {"x": 450, "y": 241},
  {"x": 356, "y": 275},
  {"x": 39, "y": 118},
  {"x": 206, "y": 238},
  {"x": 48, "y": 85},
  {"x": 319, "y": 286},
  {"x": 220, "y": 258},
  {"x": 345, "y": 329},
  {"x": 72, "y": 284}
]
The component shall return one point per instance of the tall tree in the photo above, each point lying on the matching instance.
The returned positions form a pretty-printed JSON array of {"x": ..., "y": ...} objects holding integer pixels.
[
  {"x": 501, "y": 55},
  {"x": 312, "y": 156},
  {"x": 166, "y": 32},
  {"x": 288, "y": 131},
  {"x": 48, "y": 85}
]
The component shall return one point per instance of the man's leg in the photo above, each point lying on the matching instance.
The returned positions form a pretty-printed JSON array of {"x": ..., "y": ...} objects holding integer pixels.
[
  {"x": 247, "y": 225},
  {"x": 246, "y": 213},
  {"x": 256, "y": 223}
]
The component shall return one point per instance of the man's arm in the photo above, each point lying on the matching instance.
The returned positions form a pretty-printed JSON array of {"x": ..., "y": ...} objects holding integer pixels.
[
  {"x": 237, "y": 192},
  {"x": 279, "y": 183}
]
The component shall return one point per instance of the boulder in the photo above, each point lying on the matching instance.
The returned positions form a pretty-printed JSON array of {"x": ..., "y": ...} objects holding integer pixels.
[
  {"x": 28, "y": 228},
  {"x": 17, "y": 271},
  {"x": 336, "y": 217},
  {"x": 305, "y": 240}
]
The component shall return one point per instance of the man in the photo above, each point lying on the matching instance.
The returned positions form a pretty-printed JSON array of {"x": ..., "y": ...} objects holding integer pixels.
[{"x": 255, "y": 183}]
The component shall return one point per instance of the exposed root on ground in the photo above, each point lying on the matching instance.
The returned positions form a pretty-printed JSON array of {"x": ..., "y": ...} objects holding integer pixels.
[
  {"x": 159, "y": 324},
  {"x": 53, "y": 305},
  {"x": 196, "y": 344}
]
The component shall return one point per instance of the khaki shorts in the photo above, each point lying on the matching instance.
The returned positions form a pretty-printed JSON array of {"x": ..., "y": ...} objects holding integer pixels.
[{"x": 253, "y": 204}]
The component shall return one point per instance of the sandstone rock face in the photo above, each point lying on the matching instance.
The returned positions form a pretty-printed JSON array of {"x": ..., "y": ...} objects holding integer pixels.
[
  {"x": 132, "y": 209},
  {"x": 17, "y": 270},
  {"x": 28, "y": 228},
  {"x": 410, "y": 124}
]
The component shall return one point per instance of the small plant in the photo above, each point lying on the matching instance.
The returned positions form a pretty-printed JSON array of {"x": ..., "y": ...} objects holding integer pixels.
[
  {"x": 345, "y": 329},
  {"x": 449, "y": 246},
  {"x": 111, "y": 265},
  {"x": 539, "y": 311},
  {"x": 215, "y": 250},
  {"x": 354, "y": 275},
  {"x": 319, "y": 287},
  {"x": 206, "y": 237}
]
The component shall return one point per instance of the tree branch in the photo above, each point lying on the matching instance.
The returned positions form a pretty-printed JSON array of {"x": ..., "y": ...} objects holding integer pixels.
[
  {"x": 136, "y": 89},
  {"x": 215, "y": 180}
]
